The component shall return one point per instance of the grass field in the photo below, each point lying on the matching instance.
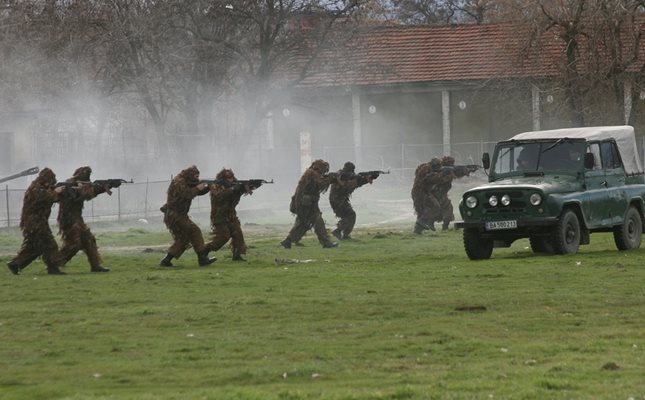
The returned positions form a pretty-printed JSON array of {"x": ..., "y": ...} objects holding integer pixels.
[{"x": 388, "y": 315}]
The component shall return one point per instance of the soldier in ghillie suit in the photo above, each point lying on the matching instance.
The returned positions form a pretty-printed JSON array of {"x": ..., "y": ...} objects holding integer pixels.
[
  {"x": 341, "y": 190},
  {"x": 448, "y": 173},
  {"x": 182, "y": 190},
  {"x": 38, "y": 239},
  {"x": 426, "y": 204},
  {"x": 225, "y": 224},
  {"x": 77, "y": 235},
  {"x": 304, "y": 204}
]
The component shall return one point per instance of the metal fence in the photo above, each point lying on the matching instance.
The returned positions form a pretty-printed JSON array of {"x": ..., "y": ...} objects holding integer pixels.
[
  {"x": 130, "y": 201},
  {"x": 143, "y": 199}
]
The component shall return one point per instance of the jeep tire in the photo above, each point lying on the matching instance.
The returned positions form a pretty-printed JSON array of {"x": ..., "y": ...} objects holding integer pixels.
[
  {"x": 627, "y": 236},
  {"x": 476, "y": 247},
  {"x": 566, "y": 238}
]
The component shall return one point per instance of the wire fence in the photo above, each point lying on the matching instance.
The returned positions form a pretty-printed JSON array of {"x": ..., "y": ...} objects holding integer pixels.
[{"x": 139, "y": 200}]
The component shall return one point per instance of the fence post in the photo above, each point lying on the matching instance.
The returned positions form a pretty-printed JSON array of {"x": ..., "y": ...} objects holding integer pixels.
[
  {"x": 145, "y": 200},
  {"x": 6, "y": 189},
  {"x": 118, "y": 202},
  {"x": 402, "y": 160}
]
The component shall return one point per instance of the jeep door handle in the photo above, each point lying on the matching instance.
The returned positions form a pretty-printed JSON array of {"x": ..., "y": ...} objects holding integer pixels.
[{"x": 603, "y": 183}]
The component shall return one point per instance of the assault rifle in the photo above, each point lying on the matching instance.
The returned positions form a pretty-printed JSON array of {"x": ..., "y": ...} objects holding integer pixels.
[
  {"x": 461, "y": 170},
  {"x": 208, "y": 182},
  {"x": 252, "y": 183},
  {"x": 345, "y": 176},
  {"x": 372, "y": 174},
  {"x": 112, "y": 183},
  {"x": 26, "y": 172}
]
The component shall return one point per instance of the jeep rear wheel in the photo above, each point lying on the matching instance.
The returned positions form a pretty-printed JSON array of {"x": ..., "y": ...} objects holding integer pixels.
[
  {"x": 567, "y": 234},
  {"x": 541, "y": 245},
  {"x": 476, "y": 247},
  {"x": 628, "y": 235}
]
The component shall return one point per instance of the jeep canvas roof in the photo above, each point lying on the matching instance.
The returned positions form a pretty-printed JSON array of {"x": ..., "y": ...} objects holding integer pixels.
[{"x": 624, "y": 136}]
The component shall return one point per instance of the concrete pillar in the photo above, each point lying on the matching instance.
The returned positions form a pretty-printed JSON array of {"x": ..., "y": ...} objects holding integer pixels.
[
  {"x": 535, "y": 97},
  {"x": 445, "y": 113},
  {"x": 358, "y": 135},
  {"x": 627, "y": 100},
  {"x": 305, "y": 151}
]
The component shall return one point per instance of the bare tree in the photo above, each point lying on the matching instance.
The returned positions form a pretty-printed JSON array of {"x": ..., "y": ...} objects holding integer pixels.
[
  {"x": 600, "y": 46},
  {"x": 442, "y": 12}
]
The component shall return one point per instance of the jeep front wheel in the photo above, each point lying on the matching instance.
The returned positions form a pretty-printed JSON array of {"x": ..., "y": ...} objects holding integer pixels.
[
  {"x": 628, "y": 235},
  {"x": 567, "y": 234},
  {"x": 476, "y": 247}
]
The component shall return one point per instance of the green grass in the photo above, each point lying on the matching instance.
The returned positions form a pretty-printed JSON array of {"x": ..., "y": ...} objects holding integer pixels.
[{"x": 389, "y": 315}]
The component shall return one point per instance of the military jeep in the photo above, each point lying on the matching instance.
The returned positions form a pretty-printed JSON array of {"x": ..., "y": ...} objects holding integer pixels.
[{"x": 555, "y": 188}]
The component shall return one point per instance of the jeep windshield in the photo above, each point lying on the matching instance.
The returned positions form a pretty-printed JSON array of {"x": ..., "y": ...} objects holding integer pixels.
[{"x": 538, "y": 157}]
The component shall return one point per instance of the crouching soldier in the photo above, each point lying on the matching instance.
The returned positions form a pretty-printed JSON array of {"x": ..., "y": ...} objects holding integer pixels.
[
  {"x": 304, "y": 204},
  {"x": 225, "y": 224},
  {"x": 182, "y": 190},
  {"x": 38, "y": 239},
  {"x": 426, "y": 204},
  {"x": 76, "y": 234},
  {"x": 339, "y": 194}
]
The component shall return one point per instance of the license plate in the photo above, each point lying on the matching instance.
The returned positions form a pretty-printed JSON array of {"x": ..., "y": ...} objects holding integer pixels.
[{"x": 493, "y": 225}]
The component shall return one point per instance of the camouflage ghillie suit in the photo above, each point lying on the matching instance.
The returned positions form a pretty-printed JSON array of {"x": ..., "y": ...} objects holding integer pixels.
[
  {"x": 225, "y": 224},
  {"x": 339, "y": 194},
  {"x": 38, "y": 239},
  {"x": 448, "y": 173},
  {"x": 304, "y": 204},
  {"x": 77, "y": 235},
  {"x": 183, "y": 188},
  {"x": 426, "y": 204}
]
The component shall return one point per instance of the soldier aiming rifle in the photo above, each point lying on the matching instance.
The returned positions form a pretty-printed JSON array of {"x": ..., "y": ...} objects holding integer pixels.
[
  {"x": 449, "y": 172},
  {"x": 225, "y": 225},
  {"x": 341, "y": 190}
]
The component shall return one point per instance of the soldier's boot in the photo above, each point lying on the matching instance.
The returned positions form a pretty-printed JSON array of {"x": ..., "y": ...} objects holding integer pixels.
[
  {"x": 286, "y": 243},
  {"x": 445, "y": 226},
  {"x": 165, "y": 262},
  {"x": 54, "y": 270},
  {"x": 237, "y": 257},
  {"x": 329, "y": 245},
  {"x": 203, "y": 260},
  {"x": 99, "y": 268},
  {"x": 13, "y": 267},
  {"x": 337, "y": 233}
]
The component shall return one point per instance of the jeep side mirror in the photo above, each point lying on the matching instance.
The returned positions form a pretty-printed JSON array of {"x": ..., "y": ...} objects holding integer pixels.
[
  {"x": 589, "y": 161},
  {"x": 486, "y": 160}
]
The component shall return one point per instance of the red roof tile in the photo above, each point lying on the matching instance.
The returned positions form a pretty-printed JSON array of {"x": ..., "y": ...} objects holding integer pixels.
[{"x": 400, "y": 55}]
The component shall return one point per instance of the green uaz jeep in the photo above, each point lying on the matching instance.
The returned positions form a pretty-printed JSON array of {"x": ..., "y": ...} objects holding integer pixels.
[{"x": 557, "y": 187}]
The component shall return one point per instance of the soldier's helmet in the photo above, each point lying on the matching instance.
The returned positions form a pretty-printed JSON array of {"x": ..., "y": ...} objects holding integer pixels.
[
  {"x": 447, "y": 161},
  {"x": 320, "y": 166},
  {"x": 435, "y": 164},
  {"x": 46, "y": 177},
  {"x": 190, "y": 173},
  {"x": 349, "y": 167},
  {"x": 225, "y": 173},
  {"x": 82, "y": 174}
]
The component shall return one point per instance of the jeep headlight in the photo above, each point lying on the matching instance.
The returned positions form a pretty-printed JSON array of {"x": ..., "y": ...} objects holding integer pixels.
[
  {"x": 492, "y": 200},
  {"x": 471, "y": 201},
  {"x": 506, "y": 200},
  {"x": 535, "y": 199}
]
